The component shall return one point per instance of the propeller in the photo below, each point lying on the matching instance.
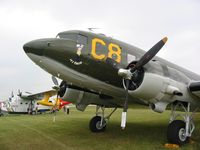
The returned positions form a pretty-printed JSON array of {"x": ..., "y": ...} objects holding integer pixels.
[
  {"x": 130, "y": 74},
  {"x": 19, "y": 93},
  {"x": 57, "y": 88},
  {"x": 12, "y": 94},
  {"x": 55, "y": 81},
  {"x": 60, "y": 92}
]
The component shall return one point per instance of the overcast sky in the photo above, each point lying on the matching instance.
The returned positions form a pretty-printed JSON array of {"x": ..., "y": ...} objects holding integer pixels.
[{"x": 139, "y": 22}]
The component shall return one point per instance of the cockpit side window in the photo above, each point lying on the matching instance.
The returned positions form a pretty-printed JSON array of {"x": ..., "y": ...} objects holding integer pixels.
[{"x": 82, "y": 39}]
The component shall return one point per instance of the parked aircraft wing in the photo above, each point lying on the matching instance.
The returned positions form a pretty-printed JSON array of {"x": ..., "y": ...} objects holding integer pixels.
[{"x": 39, "y": 96}]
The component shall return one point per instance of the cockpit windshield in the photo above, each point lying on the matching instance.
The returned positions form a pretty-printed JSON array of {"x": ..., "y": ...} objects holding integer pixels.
[
  {"x": 81, "y": 39},
  {"x": 67, "y": 36}
]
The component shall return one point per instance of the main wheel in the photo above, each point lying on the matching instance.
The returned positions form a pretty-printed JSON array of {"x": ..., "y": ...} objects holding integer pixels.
[
  {"x": 176, "y": 133},
  {"x": 95, "y": 124}
]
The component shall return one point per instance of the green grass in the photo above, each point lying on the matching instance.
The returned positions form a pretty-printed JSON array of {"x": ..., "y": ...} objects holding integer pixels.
[{"x": 145, "y": 130}]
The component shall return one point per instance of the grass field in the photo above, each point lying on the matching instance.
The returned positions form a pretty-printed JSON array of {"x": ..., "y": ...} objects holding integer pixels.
[{"x": 145, "y": 130}]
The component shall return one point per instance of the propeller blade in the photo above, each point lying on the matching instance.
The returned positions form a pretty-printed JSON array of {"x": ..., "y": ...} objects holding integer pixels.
[
  {"x": 57, "y": 88},
  {"x": 19, "y": 93},
  {"x": 123, "y": 118},
  {"x": 55, "y": 108},
  {"x": 28, "y": 92},
  {"x": 126, "y": 99},
  {"x": 149, "y": 54},
  {"x": 12, "y": 94},
  {"x": 55, "y": 81}
]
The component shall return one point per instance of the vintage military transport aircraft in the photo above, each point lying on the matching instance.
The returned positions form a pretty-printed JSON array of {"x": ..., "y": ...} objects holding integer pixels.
[{"x": 108, "y": 73}]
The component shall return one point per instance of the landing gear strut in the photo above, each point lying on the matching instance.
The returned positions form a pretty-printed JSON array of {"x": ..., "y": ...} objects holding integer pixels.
[
  {"x": 180, "y": 131},
  {"x": 98, "y": 123}
]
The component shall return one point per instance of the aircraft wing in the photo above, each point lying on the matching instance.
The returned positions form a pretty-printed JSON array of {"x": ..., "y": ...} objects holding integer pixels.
[
  {"x": 39, "y": 96},
  {"x": 194, "y": 88}
]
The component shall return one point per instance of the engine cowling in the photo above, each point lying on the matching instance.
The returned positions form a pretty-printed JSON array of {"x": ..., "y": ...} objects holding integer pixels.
[
  {"x": 72, "y": 95},
  {"x": 151, "y": 85},
  {"x": 156, "y": 88},
  {"x": 82, "y": 98}
]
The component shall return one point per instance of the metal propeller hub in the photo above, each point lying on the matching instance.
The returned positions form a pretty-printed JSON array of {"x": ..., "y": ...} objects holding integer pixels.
[{"x": 125, "y": 73}]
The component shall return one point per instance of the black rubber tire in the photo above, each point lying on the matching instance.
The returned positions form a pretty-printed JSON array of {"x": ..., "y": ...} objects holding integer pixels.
[
  {"x": 173, "y": 132},
  {"x": 93, "y": 124}
]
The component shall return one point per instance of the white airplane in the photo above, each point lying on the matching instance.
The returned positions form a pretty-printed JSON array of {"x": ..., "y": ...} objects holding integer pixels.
[{"x": 27, "y": 103}]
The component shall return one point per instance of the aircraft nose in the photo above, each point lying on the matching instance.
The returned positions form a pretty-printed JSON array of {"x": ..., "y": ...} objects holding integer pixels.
[{"x": 35, "y": 47}]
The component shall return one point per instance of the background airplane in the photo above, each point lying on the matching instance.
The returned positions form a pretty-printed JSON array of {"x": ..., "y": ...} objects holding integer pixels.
[
  {"x": 26, "y": 103},
  {"x": 55, "y": 103},
  {"x": 100, "y": 70}
]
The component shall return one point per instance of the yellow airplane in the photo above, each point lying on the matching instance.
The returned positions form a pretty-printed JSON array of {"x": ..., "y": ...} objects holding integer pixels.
[{"x": 59, "y": 103}]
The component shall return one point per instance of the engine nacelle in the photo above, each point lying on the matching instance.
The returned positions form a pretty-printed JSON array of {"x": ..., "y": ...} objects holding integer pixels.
[
  {"x": 71, "y": 95},
  {"x": 155, "y": 88},
  {"x": 82, "y": 99}
]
